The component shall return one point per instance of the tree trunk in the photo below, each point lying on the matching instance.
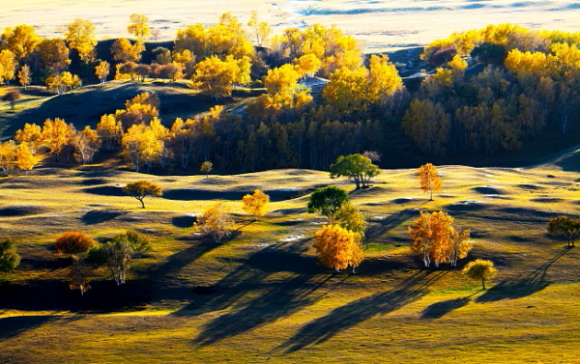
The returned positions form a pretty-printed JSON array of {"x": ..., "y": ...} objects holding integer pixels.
[
  {"x": 142, "y": 203},
  {"x": 431, "y": 198},
  {"x": 483, "y": 283}
]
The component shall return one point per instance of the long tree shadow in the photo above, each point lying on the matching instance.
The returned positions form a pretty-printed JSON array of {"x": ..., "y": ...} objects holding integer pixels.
[
  {"x": 384, "y": 226},
  {"x": 358, "y": 311},
  {"x": 15, "y": 326},
  {"x": 440, "y": 309},
  {"x": 530, "y": 284},
  {"x": 282, "y": 300}
]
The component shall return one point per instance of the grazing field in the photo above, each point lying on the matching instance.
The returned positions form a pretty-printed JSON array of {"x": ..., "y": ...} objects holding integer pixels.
[
  {"x": 381, "y": 25},
  {"x": 261, "y": 297}
]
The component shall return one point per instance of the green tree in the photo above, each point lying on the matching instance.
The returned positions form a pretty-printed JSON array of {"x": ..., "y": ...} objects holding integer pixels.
[
  {"x": 349, "y": 217},
  {"x": 327, "y": 201},
  {"x": 141, "y": 189},
  {"x": 9, "y": 259},
  {"x": 565, "y": 226},
  {"x": 480, "y": 270},
  {"x": 206, "y": 167},
  {"x": 356, "y": 167}
]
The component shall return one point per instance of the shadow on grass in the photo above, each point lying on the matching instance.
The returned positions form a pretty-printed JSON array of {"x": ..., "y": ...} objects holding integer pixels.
[
  {"x": 384, "y": 226},
  {"x": 105, "y": 191},
  {"x": 528, "y": 285},
  {"x": 99, "y": 216},
  {"x": 183, "y": 221},
  {"x": 14, "y": 326},
  {"x": 355, "y": 312},
  {"x": 440, "y": 309}
]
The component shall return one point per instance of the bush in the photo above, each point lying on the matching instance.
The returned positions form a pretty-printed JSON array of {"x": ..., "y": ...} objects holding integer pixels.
[{"x": 73, "y": 242}]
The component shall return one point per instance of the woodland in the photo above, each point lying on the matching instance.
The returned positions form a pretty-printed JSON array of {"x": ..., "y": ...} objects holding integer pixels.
[{"x": 174, "y": 201}]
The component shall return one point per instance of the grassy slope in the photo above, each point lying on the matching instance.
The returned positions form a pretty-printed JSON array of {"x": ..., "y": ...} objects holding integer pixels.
[{"x": 272, "y": 302}]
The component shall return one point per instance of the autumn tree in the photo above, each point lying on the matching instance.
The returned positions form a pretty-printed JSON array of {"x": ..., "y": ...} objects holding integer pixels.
[
  {"x": 7, "y": 65},
  {"x": 85, "y": 143},
  {"x": 206, "y": 167},
  {"x": 25, "y": 158},
  {"x": 73, "y": 242},
  {"x": 216, "y": 77},
  {"x": 80, "y": 35},
  {"x": 139, "y": 26},
  {"x": 327, "y": 201},
  {"x": 125, "y": 51},
  {"x": 428, "y": 125},
  {"x": 141, "y": 189},
  {"x": 11, "y": 96},
  {"x": 7, "y": 156},
  {"x": 141, "y": 146},
  {"x": 256, "y": 204},
  {"x": 434, "y": 239},
  {"x": 79, "y": 275},
  {"x": 116, "y": 254},
  {"x": 24, "y": 76},
  {"x": 9, "y": 258},
  {"x": 565, "y": 226},
  {"x": 480, "y": 270},
  {"x": 56, "y": 134},
  {"x": 110, "y": 131},
  {"x": 338, "y": 248},
  {"x": 429, "y": 179},
  {"x": 356, "y": 167},
  {"x": 102, "y": 71},
  {"x": 349, "y": 217},
  {"x": 54, "y": 55},
  {"x": 21, "y": 40},
  {"x": 216, "y": 221},
  {"x": 261, "y": 29}
]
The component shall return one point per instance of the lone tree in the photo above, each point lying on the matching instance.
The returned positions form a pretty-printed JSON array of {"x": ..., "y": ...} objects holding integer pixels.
[
  {"x": 327, "y": 201},
  {"x": 338, "y": 248},
  {"x": 356, "y": 167},
  {"x": 216, "y": 221},
  {"x": 142, "y": 189},
  {"x": 206, "y": 167},
  {"x": 9, "y": 259},
  {"x": 79, "y": 275},
  {"x": 434, "y": 239},
  {"x": 256, "y": 204},
  {"x": 73, "y": 242},
  {"x": 480, "y": 269},
  {"x": 11, "y": 97},
  {"x": 566, "y": 227},
  {"x": 430, "y": 180}
]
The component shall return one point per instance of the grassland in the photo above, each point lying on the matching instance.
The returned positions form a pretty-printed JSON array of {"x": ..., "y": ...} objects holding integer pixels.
[{"x": 261, "y": 297}]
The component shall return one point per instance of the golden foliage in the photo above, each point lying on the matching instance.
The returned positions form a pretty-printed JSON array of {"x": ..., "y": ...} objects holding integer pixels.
[
  {"x": 80, "y": 35},
  {"x": 7, "y": 65},
  {"x": 141, "y": 189},
  {"x": 7, "y": 156},
  {"x": 480, "y": 269},
  {"x": 139, "y": 26},
  {"x": 73, "y": 242},
  {"x": 429, "y": 179},
  {"x": 337, "y": 247},
  {"x": 216, "y": 221},
  {"x": 56, "y": 134},
  {"x": 256, "y": 204}
]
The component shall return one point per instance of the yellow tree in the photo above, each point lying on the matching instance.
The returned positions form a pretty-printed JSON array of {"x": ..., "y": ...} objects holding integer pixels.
[
  {"x": 429, "y": 179},
  {"x": 110, "y": 131},
  {"x": 141, "y": 146},
  {"x": 349, "y": 217},
  {"x": 480, "y": 270},
  {"x": 256, "y": 204},
  {"x": 24, "y": 76},
  {"x": 25, "y": 158},
  {"x": 56, "y": 134},
  {"x": 338, "y": 248},
  {"x": 54, "y": 55},
  {"x": 124, "y": 51},
  {"x": 139, "y": 26},
  {"x": 206, "y": 167},
  {"x": 22, "y": 40},
  {"x": 215, "y": 77},
  {"x": 384, "y": 79},
  {"x": 7, "y": 156},
  {"x": 347, "y": 89},
  {"x": 261, "y": 29},
  {"x": 102, "y": 70},
  {"x": 31, "y": 134},
  {"x": 85, "y": 143},
  {"x": 307, "y": 65},
  {"x": 141, "y": 189},
  {"x": 80, "y": 35},
  {"x": 7, "y": 65},
  {"x": 216, "y": 221}
]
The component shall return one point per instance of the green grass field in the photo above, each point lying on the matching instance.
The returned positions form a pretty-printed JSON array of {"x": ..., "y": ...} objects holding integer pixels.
[{"x": 261, "y": 297}]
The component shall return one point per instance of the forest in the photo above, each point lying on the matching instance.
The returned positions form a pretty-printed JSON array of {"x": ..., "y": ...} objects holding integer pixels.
[{"x": 481, "y": 92}]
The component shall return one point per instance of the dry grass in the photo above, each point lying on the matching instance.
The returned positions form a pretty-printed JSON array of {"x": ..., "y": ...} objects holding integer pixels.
[{"x": 267, "y": 285}]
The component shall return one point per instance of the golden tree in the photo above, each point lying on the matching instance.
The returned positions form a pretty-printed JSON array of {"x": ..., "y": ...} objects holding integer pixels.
[
  {"x": 141, "y": 189},
  {"x": 429, "y": 179},
  {"x": 256, "y": 204},
  {"x": 54, "y": 55},
  {"x": 338, "y": 248},
  {"x": 216, "y": 221},
  {"x": 73, "y": 242},
  {"x": 7, "y": 65},
  {"x": 349, "y": 217},
  {"x": 24, "y": 76},
  {"x": 80, "y": 35},
  {"x": 216, "y": 77},
  {"x": 56, "y": 134},
  {"x": 139, "y": 26},
  {"x": 434, "y": 239},
  {"x": 25, "y": 158},
  {"x": 110, "y": 131},
  {"x": 261, "y": 29},
  {"x": 7, "y": 156},
  {"x": 86, "y": 143},
  {"x": 22, "y": 40},
  {"x": 124, "y": 51},
  {"x": 102, "y": 70},
  {"x": 480, "y": 270},
  {"x": 141, "y": 146}
]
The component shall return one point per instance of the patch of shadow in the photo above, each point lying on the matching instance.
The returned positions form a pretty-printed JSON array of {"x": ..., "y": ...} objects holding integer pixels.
[
  {"x": 21, "y": 210},
  {"x": 403, "y": 200},
  {"x": 528, "y": 214},
  {"x": 488, "y": 190},
  {"x": 374, "y": 204},
  {"x": 382, "y": 227},
  {"x": 186, "y": 194},
  {"x": 205, "y": 290},
  {"x": 531, "y": 187},
  {"x": 94, "y": 181},
  {"x": 547, "y": 200},
  {"x": 293, "y": 211},
  {"x": 183, "y": 221},
  {"x": 106, "y": 191},
  {"x": 99, "y": 216},
  {"x": 15, "y": 326},
  {"x": 466, "y": 206},
  {"x": 440, "y": 309}
]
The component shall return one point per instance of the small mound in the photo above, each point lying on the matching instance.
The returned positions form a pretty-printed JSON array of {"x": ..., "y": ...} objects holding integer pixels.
[
  {"x": 183, "y": 221},
  {"x": 21, "y": 210},
  {"x": 530, "y": 187},
  {"x": 99, "y": 216},
  {"x": 547, "y": 200},
  {"x": 94, "y": 181},
  {"x": 402, "y": 200},
  {"x": 106, "y": 191},
  {"x": 488, "y": 190}
]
